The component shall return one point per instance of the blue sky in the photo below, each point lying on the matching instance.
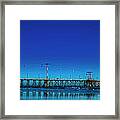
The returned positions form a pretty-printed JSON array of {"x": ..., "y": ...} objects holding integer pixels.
[{"x": 71, "y": 47}]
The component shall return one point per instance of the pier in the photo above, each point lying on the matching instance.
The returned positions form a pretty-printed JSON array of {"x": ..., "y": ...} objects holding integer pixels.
[{"x": 53, "y": 84}]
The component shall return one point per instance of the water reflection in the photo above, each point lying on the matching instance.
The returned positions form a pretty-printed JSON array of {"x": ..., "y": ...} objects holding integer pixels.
[{"x": 58, "y": 94}]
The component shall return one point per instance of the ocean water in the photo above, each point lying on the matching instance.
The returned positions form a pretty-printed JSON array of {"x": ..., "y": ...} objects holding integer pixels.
[{"x": 59, "y": 94}]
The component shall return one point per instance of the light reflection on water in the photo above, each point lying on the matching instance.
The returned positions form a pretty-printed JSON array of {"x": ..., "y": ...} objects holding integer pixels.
[{"x": 58, "y": 94}]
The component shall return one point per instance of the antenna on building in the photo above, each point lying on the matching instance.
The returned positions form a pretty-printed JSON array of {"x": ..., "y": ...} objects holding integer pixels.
[
  {"x": 89, "y": 75},
  {"x": 46, "y": 68},
  {"x": 70, "y": 77},
  {"x": 27, "y": 75},
  {"x": 73, "y": 71}
]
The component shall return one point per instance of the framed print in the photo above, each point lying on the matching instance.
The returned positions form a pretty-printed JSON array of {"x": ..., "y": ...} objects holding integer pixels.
[{"x": 59, "y": 59}]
